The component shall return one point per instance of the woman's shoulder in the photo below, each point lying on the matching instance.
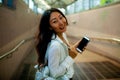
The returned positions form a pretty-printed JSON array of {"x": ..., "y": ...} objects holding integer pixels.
[{"x": 55, "y": 42}]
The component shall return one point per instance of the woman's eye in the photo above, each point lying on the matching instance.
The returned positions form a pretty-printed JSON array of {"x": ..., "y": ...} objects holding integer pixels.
[{"x": 54, "y": 21}]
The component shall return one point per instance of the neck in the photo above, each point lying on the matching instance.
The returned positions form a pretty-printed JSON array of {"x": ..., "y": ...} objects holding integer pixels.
[{"x": 62, "y": 38}]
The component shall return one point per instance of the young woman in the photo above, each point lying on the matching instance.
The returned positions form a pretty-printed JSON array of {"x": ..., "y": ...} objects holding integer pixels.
[{"x": 53, "y": 47}]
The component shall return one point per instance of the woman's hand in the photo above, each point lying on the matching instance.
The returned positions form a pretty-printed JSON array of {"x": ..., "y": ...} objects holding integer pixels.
[{"x": 72, "y": 50}]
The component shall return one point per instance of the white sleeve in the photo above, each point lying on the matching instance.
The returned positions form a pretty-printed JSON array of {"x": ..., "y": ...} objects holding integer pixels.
[
  {"x": 56, "y": 67},
  {"x": 68, "y": 62}
]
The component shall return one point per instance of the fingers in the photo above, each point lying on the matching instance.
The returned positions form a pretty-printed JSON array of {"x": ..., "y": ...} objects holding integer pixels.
[
  {"x": 72, "y": 52},
  {"x": 73, "y": 49}
]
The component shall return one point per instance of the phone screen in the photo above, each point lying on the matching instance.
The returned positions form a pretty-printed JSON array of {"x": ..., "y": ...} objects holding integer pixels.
[{"x": 82, "y": 44}]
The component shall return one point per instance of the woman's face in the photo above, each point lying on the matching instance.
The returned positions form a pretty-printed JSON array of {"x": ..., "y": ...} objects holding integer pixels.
[{"x": 57, "y": 22}]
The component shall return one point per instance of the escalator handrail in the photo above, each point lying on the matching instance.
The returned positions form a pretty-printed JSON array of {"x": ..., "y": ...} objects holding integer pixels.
[
  {"x": 16, "y": 47},
  {"x": 107, "y": 39}
]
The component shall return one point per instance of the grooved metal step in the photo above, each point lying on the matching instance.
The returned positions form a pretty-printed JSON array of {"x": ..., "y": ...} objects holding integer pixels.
[{"x": 96, "y": 71}]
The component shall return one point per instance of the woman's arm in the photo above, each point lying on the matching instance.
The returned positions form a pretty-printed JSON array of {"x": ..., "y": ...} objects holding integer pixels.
[{"x": 58, "y": 68}]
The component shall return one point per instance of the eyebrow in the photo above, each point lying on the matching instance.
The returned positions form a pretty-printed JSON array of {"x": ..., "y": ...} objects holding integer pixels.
[{"x": 55, "y": 17}]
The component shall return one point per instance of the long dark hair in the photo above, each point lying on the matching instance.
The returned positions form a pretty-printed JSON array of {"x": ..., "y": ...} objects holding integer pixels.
[{"x": 45, "y": 33}]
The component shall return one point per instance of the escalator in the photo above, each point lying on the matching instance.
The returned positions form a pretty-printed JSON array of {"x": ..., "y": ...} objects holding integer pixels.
[{"x": 89, "y": 65}]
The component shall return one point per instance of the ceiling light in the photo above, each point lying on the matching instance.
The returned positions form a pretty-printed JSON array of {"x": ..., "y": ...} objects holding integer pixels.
[{"x": 43, "y": 2}]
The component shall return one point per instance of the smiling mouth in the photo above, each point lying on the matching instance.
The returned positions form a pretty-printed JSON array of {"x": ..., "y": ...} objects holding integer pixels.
[{"x": 62, "y": 28}]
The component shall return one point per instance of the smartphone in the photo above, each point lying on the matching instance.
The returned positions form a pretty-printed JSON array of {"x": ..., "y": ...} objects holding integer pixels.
[{"x": 83, "y": 43}]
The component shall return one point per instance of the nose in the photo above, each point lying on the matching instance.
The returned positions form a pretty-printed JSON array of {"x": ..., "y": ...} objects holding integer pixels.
[{"x": 61, "y": 22}]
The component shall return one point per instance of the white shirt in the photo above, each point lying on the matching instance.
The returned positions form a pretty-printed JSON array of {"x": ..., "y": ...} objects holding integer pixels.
[{"x": 59, "y": 61}]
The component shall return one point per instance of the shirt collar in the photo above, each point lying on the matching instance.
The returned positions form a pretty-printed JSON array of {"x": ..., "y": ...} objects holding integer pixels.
[{"x": 55, "y": 37}]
